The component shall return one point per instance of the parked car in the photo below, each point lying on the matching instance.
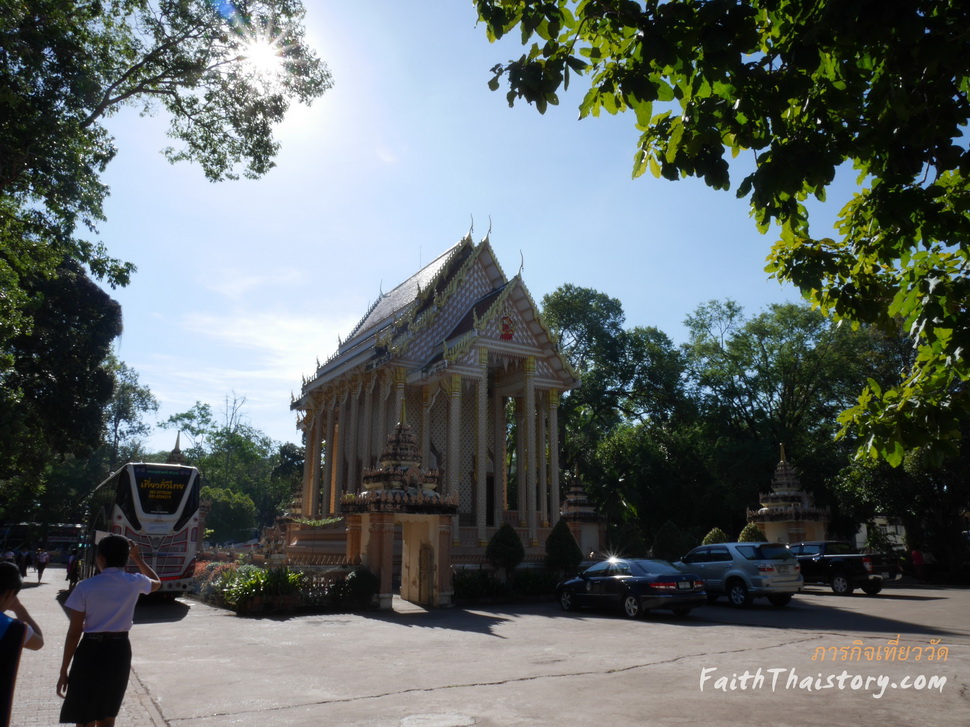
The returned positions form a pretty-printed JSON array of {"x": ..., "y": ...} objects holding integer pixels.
[
  {"x": 634, "y": 585},
  {"x": 839, "y": 565},
  {"x": 743, "y": 571}
]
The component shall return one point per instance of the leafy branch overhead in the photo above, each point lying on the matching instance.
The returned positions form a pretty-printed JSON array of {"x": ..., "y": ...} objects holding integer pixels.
[
  {"x": 68, "y": 65},
  {"x": 806, "y": 89}
]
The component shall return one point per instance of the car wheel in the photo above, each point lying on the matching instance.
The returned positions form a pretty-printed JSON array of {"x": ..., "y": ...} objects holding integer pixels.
[
  {"x": 872, "y": 588},
  {"x": 737, "y": 594},
  {"x": 779, "y": 599},
  {"x": 681, "y": 612},
  {"x": 566, "y": 600},
  {"x": 631, "y": 606},
  {"x": 842, "y": 585}
]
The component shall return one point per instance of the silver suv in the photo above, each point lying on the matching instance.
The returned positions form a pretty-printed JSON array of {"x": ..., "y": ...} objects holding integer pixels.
[{"x": 742, "y": 571}]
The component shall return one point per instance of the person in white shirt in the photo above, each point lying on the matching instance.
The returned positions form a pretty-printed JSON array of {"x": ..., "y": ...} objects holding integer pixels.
[
  {"x": 40, "y": 562},
  {"x": 97, "y": 654}
]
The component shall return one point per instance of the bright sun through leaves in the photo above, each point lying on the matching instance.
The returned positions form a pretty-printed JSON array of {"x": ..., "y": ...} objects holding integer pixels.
[{"x": 262, "y": 58}]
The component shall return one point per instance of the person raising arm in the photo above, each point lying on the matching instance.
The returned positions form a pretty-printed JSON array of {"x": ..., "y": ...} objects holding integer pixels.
[{"x": 97, "y": 654}]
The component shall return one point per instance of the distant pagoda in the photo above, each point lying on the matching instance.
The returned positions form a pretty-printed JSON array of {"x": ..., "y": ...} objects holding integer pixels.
[{"x": 788, "y": 513}]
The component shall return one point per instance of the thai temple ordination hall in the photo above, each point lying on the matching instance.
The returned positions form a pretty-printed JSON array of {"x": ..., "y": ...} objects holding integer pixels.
[{"x": 436, "y": 421}]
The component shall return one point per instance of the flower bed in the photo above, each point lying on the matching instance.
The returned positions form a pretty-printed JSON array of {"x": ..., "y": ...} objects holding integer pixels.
[{"x": 251, "y": 590}]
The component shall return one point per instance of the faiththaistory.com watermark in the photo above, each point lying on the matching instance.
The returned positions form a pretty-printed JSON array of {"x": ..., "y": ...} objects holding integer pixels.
[{"x": 787, "y": 678}]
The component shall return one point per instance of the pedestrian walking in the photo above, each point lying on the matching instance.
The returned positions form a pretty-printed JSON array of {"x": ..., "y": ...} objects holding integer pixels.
[
  {"x": 96, "y": 649},
  {"x": 15, "y": 634},
  {"x": 22, "y": 558},
  {"x": 40, "y": 562},
  {"x": 916, "y": 557},
  {"x": 73, "y": 570}
]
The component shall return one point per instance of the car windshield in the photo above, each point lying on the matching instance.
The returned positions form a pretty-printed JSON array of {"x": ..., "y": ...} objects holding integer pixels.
[{"x": 647, "y": 567}]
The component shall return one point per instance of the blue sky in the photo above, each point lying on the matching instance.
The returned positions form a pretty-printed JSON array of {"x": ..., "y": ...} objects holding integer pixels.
[{"x": 243, "y": 285}]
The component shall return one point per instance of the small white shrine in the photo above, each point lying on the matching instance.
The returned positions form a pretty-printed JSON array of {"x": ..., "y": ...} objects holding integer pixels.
[{"x": 788, "y": 513}]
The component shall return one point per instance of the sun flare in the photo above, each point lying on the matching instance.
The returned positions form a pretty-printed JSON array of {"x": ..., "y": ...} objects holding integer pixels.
[{"x": 262, "y": 58}]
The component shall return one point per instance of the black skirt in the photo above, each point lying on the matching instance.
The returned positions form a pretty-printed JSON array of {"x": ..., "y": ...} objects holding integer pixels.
[{"x": 97, "y": 680}]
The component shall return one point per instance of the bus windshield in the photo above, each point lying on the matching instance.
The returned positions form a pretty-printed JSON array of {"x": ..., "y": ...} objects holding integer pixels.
[{"x": 160, "y": 490}]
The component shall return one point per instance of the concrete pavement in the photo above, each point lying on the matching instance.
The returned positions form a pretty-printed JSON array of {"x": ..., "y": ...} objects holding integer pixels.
[{"x": 527, "y": 665}]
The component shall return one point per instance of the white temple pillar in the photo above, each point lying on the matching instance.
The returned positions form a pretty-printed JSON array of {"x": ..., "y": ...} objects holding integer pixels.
[
  {"x": 500, "y": 450},
  {"x": 425, "y": 438},
  {"x": 520, "y": 460},
  {"x": 452, "y": 466},
  {"x": 329, "y": 453},
  {"x": 311, "y": 424},
  {"x": 530, "y": 438},
  {"x": 481, "y": 480},
  {"x": 340, "y": 465},
  {"x": 400, "y": 377},
  {"x": 542, "y": 454},
  {"x": 384, "y": 391},
  {"x": 554, "y": 453},
  {"x": 353, "y": 437},
  {"x": 367, "y": 454}
]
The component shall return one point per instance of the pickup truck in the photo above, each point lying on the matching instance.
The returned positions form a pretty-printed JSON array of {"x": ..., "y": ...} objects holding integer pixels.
[{"x": 839, "y": 565}]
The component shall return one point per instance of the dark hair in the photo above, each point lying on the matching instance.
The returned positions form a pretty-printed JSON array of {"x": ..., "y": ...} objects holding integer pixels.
[
  {"x": 10, "y": 579},
  {"x": 114, "y": 550}
]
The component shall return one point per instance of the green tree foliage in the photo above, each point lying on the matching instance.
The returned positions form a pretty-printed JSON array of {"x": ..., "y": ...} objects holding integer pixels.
[
  {"x": 505, "y": 549},
  {"x": 67, "y": 65},
  {"x": 196, "y": 425},
  {"x": 645, "y": 475},
  {"x": 235, "y": 455},
  {"x": 628, "y": 375},
  {"x": 751, "y": 533},
  {"x": 669, "y": 543},
  {"x": 130, "y": 401},
  {"x": 628, "y": 430},
  {"x": 716, "y": 535},
  {"x": 804, "y": 89},
  {"x": 928, "y": 500},
  {"x": 232, "y": 515},
  {"x": 781, "y": 376},
  {"x": 563, "y": 555},
  {"x": 53, "y": 400}
]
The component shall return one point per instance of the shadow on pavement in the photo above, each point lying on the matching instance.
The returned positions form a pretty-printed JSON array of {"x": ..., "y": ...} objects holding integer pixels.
[
  {"x": 153, "y": 609},
  {"x": 157, "y": 610},
  {"x": 801, "y": 613}
]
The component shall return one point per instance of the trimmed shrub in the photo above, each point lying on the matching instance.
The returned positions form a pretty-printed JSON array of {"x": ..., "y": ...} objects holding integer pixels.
[
  {"x": 360, "y": 587},
  {"x": 752, "y": 534},
  {"x": 716, "y": 535},
  {"x": 563, "y": 555},
  {"x": 505, "y": 549}
]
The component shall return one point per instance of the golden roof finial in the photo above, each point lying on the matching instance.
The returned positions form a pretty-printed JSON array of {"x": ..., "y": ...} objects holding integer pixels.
[{"x": 782, "y": 446}]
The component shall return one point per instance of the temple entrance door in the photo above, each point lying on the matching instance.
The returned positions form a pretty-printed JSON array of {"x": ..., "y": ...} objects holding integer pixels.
[
  {"x": 426, "y": 575},
  {"x": 418, "y": 559}
]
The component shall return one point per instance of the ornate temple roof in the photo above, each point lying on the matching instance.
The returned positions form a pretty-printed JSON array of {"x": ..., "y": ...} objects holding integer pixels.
[
  {"x": 387, "y": 307},
  {"x": 432, "y": 319}
]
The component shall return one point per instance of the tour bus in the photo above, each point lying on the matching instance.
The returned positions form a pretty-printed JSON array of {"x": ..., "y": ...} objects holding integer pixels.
[{"x": 156, "y": 506}]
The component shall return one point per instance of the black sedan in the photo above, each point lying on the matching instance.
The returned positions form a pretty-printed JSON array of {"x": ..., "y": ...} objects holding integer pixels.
[{"x": 635, "y": 585}]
